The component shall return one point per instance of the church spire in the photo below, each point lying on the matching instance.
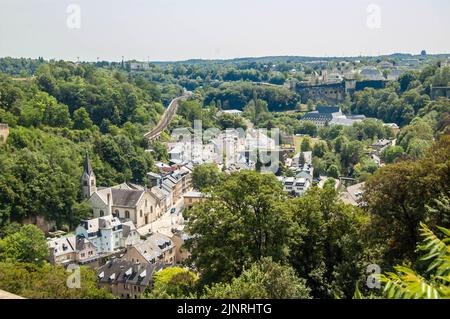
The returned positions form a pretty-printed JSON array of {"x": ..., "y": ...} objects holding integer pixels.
[
  {"x": 88, "y": 180},
  {"x": 87, "y": 164}
]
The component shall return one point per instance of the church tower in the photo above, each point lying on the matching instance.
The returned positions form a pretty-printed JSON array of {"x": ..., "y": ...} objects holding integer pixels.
[{"x": 88, "y": 181}]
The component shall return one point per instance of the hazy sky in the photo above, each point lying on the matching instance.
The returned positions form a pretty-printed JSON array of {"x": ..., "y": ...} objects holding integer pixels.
[{"x": 185, "y": 29}]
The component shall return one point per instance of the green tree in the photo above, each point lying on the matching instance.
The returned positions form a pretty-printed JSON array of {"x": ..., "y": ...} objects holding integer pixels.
[
  {"x": 173, "y": 283},
  {"x": 243, "y": 219},
  {"x": 48, "y": 282},
  {"x": 265, "y": 279},
  {"x": 26, "y": 245},
  {"x": 206, "y": 175},
  {"x": 391, "y": 154},
  {"x": 397, "y": 197},
  {"x": 319, "y": 149},
  {"x": 333, "y": 171},
  {"x": 306, "y": 144},
  {"x": 81, "y": 119},
  {"x": 329, "y": 251}
]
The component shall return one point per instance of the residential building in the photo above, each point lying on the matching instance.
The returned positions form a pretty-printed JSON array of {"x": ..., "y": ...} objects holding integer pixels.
[
  {"x": 395, "y": 128},
  {"x": 173, "y": 185},
  {"x": 62, "y": 250},
  {"x": 156, "y": 248},
  {"x": 306, "y": 157},
  {"x": 178, "y": 237},
  {"x": 382, "y": 144},
  {"x": 231, "y": 112},
  {"x": 295, "y": 186},
  {"x": 139, "y": 66},
  {"x": 108, "y": 234},
  {"x": 126, "y": 279},
  {"x": 85, "y": 250},
  {"x": 192, "y": 197}
]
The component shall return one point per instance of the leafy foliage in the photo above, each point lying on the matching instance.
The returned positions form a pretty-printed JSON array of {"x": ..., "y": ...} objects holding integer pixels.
[
  {"x": 48, "y": 282},
  {"x": 406, "y": 283},
  {"x": 263, "y": 280}
]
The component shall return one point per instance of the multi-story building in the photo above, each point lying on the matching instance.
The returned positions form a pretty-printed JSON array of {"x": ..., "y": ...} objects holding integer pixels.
[
  {"x": 71, "y": 249},
  {"x": 174, "y": 184},
  {"x": 192, "y": 197},
  {"x": 156, "y": 248},
  {"x": 108, "y": 234},
  {"x": 295, "y": 186},
  {"x": 126, "y": 279}
]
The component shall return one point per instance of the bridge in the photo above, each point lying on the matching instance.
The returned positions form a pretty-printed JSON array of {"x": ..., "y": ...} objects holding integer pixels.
[{"x": 166, "y": 118}]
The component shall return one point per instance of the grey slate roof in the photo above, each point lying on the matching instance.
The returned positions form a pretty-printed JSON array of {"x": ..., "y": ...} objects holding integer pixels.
[
  {"x": 154, "y": 246},
  {"x": 122, "y": 271},
  {"x": 126, "y": 197},
  {"x": 317, "y": 117}
]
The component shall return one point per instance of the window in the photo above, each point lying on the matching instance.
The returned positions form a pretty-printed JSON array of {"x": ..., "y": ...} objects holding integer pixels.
[
  {"x": 140, "y": 213},
  {"x": 92, "y": 182},
  {"x": 82, "y": 255},
  {"x": 116, "y": 213},
  {"x": 85, "y": 183},
  {"x": 102, "y": 213},
  {"x": 127, "y": 214},
  {"x": 151, "y": 209}
]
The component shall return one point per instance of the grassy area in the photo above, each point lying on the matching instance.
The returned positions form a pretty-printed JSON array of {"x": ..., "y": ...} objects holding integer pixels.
[{"x": 298, "y": 142}]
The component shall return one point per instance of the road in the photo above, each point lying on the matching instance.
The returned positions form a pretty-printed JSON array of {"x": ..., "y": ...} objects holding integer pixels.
[
  {"x": 166, "y": 118},
  {"x": 166, "y": 221}
]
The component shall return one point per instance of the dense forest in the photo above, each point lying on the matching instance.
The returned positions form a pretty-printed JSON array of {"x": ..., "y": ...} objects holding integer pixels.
[{"x": 54, "y": 117}]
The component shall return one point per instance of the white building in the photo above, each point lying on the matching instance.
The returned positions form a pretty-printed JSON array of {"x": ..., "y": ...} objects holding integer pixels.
[
  {"x": 296, "y": 186},
  {"x": 108, "y": 233}
]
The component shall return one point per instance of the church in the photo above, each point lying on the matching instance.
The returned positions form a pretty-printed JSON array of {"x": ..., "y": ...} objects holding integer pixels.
[{"x": 126, "y": 201}]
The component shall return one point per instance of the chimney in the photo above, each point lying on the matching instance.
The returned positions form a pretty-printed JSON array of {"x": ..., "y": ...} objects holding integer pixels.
[{"x": 136, "y": 267}]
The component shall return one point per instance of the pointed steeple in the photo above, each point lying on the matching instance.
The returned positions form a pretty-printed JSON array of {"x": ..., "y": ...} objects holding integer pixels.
[
  {"x": 88, "y": 180},
  {"x": 87, "y": 164}
]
